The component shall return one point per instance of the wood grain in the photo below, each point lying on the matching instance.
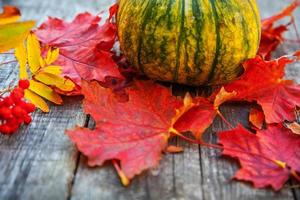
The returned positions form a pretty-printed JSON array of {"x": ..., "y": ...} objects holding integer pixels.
[{"x": 40, "y": 162}]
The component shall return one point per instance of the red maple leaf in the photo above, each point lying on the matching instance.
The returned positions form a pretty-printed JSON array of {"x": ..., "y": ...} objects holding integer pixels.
[
  {"x": 84, "y": 46},
  {"x": 263, "y": 82},
  {"x": 267, "y": 158},
  {"x": 196, "y": 116},
  {"x": 272, "y": 36},
  {"x": 133, "y": 132}
]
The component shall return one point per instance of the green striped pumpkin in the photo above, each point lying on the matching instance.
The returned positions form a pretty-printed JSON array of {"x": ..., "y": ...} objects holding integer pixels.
[{"x": 194, "y": 42}]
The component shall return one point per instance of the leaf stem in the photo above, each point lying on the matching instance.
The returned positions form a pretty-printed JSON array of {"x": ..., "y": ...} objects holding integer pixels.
[
  {"x": 295, "y": 175},
  {"x": 224, "y": 119},
  {"x": 125, "y": 181}
]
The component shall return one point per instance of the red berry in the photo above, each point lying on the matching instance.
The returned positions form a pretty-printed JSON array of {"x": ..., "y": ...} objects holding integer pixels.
[
  {"x": 24, "y": 84},
  {"x": 20, "y": 120},
  {"x": 14, "y": 123},
  {"x": 8, "y": 101},
  {"x": 22, "y": 104},
  {"x": 17, "y": 94},
  {"x": 29, "y": 107},
  {"x": 13, "y": 129},
  {"x": 27, "y": 119},
  {"x": 18, "y": 111},
  {"x": 1, "y": 103},
  {"x": 5, "y": 129},
  {"x": 6, "y": 113}
]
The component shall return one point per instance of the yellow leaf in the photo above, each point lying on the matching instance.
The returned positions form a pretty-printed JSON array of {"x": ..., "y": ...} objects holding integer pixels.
[
  {"x": 45, "y": 91},
  {"x": 55, "y": 80},
  {"x": 36, "y": 100},
  {"x": 52, "y": 69},
  {"x": 21, "y": 55},
  {"x": 33, "y": 53},
  {"x": 42, "y": 62},
  {"x": 11, "y": 35},
  {"x": 52, "y": 56},
  {"x": 10, "y": 14}
]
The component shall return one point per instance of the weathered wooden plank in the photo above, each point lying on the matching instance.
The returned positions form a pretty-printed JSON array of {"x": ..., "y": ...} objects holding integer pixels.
[
  {"x": 39, "y": 161},
  {"x": 296, "y": 190}
]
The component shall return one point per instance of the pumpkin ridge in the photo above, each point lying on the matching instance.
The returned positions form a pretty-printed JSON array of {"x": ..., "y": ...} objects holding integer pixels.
[
  {"x": 196, "y": 9},
  {"x": 218, "y": 41},
  {"x": 169, "y": 7},
  {"x": 163, "y": 44},
  {"x": 181, "y": 7},
  {"x": 147, "y": 15},
  {"x": 258, "y": 28},
  {"x": 245, "y": 38}
]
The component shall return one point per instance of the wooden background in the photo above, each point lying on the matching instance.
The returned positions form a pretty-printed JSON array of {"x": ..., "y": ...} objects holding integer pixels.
[{"x": 39, "y": 162}]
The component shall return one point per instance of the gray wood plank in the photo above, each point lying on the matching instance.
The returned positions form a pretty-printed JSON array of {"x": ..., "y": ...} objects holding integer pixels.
[
  {"x": 296, "y": 189},
  {"x": 38, "y": 162}
]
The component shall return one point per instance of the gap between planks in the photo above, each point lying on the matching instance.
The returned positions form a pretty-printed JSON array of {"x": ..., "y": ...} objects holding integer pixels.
[{"x": 78, "y": 156}]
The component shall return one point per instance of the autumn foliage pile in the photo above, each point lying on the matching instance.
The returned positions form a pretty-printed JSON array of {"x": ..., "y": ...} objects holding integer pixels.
[{"x": 136, "y": 117}]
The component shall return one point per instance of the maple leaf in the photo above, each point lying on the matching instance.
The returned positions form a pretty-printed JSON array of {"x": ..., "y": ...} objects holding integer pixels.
[
  {"x": 84, "y": 46},
  {"x": 267, "y": 158},
  {"x": 196, "y": 115},
  {"x": 271, "y": 36},
  {"x": 133, "y": 132},
  {"x": 12, "y": 33},
  {"x": 44, "y": 76},
  {"x": 277, "y": 97}
]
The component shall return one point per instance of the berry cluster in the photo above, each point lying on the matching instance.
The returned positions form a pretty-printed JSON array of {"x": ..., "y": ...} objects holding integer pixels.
[{"x": 14, "y": 110}]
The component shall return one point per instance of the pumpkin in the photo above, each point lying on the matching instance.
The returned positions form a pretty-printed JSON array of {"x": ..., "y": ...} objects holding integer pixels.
[{"x": 194, "y": 42}]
